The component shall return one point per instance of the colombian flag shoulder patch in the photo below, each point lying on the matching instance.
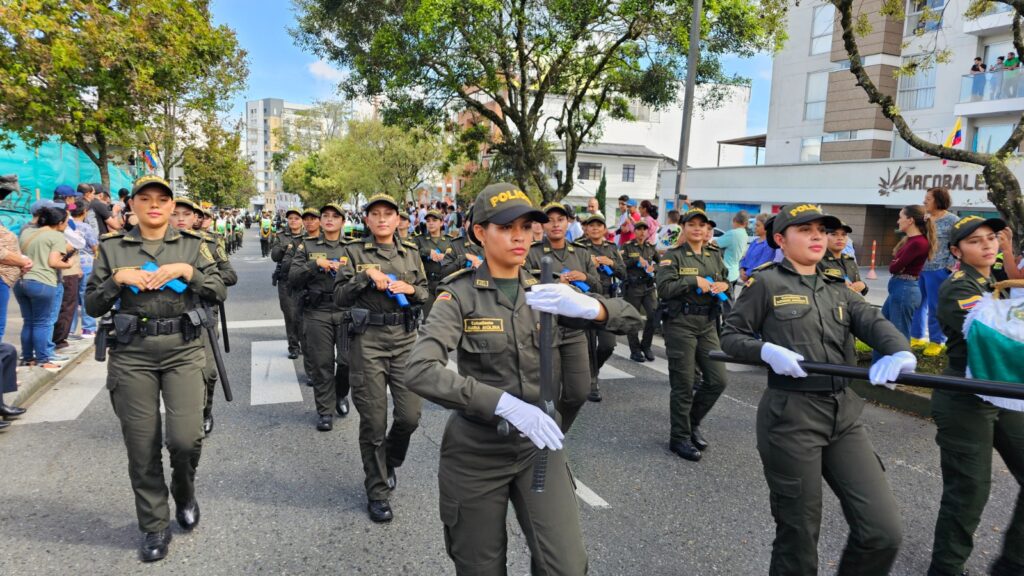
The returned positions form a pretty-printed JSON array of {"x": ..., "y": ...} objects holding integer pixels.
[{"x": 969, "y": 303}]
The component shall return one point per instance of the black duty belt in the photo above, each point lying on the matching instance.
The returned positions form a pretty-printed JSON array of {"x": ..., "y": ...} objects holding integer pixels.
[
  {"x": 386, "y": 319},
  {"x": 815, "y": 384},
  {"x": 159, "y": 327},
  {"x": 698, "y": 310}
]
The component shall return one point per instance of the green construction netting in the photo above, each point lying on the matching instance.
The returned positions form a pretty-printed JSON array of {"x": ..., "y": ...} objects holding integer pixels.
[{"x": 42, "y": 169}]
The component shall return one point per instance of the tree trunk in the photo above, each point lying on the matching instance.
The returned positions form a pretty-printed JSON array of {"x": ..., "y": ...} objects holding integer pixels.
[
  {"x": 103, "y": 157},
  {"x": 1005, "y": 194}
]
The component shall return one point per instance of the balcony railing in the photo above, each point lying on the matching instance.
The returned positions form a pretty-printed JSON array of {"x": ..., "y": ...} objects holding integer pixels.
[{"x": 989, "y": 86}]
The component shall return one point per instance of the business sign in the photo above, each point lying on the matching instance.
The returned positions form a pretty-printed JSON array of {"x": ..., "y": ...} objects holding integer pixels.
[{"x": 902, "y": 180}]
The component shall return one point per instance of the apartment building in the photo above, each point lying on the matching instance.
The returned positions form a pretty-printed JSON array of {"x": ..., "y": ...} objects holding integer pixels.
[
  {"x": 826, "y": 143},
  {"x": 264, "y": 121}
]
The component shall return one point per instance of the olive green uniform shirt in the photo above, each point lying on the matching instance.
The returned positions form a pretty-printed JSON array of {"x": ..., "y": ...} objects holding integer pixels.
[
  {"x": 354, "y": 288},
  {"x": 677, "y": 273},
  {"x": 842, "y": 267},
  {"x": 436, "y": 271},
  {"x": 608, "y": 250},
  {"x": 304, "y": 272},
  {"x": 574, "y": 257},
  {"x": 957, "y": 296},
  {"x": 637, "y": 278}
]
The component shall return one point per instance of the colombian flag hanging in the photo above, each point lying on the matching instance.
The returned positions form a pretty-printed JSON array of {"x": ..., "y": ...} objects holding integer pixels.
[{"x": 955, "y": 137}]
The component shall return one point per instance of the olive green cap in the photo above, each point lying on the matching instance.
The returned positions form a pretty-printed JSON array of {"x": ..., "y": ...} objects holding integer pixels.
[
  {"x": 966, "y": 226},
  {"x": 556, "y": 207},
  {"x": 502, "y": 203},
  {"x": 296, "y": 211},
  {"x": 333, "y": 206},
  {"x": 842, "y": 226},
  {"x": 182, "y": 201},
  {"x": 151, "y": 180},
  {"x": 793, "y": 214},
  {"x": 691, "y": 214},
  {"x": 595, "y": 217},
  {"x": 311, "y": 212},
  {"x": 377, "y": 199},
  {"x": 434, "y": 214}
]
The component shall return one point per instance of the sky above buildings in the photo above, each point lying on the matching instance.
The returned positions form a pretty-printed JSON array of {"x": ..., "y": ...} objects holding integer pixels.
[{"x": 279, "y": 69}]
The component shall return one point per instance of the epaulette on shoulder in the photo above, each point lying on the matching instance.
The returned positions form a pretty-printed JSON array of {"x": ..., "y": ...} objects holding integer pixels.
[
  {"x": 456, "y": 275},
  {"x": 765, "y": 266},
  {"x": 409, "y": 244},
  {"x": 114, "y": 234},
  {"x": 833, "y": 275},
  {"x": 582, "y": 243},
  {"x": 713, "y": 247},
  {"x": 192, "y": 233},
  {"x": 537, "y": 243},
  {"x": 847, "y": 257},
  {"x": 959, "y": 275}
]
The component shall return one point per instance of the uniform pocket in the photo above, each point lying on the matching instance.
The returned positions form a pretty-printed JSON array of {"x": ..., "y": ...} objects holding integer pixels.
[
  {"x": 449, "y": 510},
  {"x": 112, "y": 381},
  {"x": 841, "y": 315},
  {"x": 790, "y": 312},
  {"x": 484, "y": 343},
  {"x": 784, "y": 486}
]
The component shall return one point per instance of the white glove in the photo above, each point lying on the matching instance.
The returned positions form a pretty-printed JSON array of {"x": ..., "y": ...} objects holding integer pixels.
[
  {"x": 783, "y": 360},
  {"x": 562, "y": 300},
  {"x": 531, "y": 421},
  {"x": 888, "y": 368}
]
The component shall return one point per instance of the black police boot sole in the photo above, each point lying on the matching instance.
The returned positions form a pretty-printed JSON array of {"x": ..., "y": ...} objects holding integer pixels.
[
  {"x": 154, "y": 545},
  {"x": 188, "y": 515},
  {"x": 342, "y": 407},
  {"x": 10, "y": 411},
  {"x": 325, "y": 424},
  {"x": 594, "y": 396},
  {"x": 293, "y": 355},
  {"x": 685, "y": 450},
  {"x": 380, "y": 511},
  {"x": 208, "y": 425},
  {"x": 698, "y": 440},
  {"x": 649, "y": 355},
  {"x": 637, "y": 357},
  {"x": 392, "y": 480}
]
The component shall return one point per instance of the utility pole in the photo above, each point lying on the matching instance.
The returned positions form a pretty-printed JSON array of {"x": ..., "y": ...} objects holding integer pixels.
[{"x": 691, "y": 81}]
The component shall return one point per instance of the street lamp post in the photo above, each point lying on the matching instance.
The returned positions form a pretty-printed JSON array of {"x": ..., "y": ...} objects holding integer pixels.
[{"x": 692, "y": 61}]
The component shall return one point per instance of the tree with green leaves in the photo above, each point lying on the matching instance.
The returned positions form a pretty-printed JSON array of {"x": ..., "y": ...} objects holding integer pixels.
[
  {"x": 94, "y": 73},
  {"x": 215, "y": 171},
  {"x": 602, "y": 192},
  {"x": 535, "y": 70},
  {"x": 1003, "y": 187}
]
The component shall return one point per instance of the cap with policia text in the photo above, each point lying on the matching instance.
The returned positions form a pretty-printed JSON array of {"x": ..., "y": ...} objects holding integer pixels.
[
  {"x": 151, "y": 180},
  {"x": 794, "y": 214},
  {"x": 311, "y": 212},
  {"x": 336, "y": 207},
  {"x": 503, "y": 203},
  {"x": 379, "y": 198},
  {"x": 966, "y": 226}
]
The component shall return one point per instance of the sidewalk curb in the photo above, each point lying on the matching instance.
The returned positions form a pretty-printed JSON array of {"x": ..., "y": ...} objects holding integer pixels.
[
  {"x": 37, "y": 381},
  {"x": 899, "y": 399}
]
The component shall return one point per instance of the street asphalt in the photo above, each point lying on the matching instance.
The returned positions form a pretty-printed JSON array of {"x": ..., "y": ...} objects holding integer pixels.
[{"x": 279, "y": 497}]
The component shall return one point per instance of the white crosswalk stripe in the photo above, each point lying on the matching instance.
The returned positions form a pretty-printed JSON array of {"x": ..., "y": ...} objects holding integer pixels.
[
  {"x": 272, "y": 377},
  {"x": 69, "y": 397}
]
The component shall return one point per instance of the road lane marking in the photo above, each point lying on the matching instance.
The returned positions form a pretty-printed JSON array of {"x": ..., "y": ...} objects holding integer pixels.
[
  {"x": 609, "y": 372},
  {"x": 272, "y": 377},
  {"x": 70, "y": 396},
  {"x": 249, "y": 324},
  {"x": 589, "y": 496}
]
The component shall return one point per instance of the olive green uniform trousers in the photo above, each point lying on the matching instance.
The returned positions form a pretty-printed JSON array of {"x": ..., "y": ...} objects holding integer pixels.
[
  {"x": 329, "y": 374},
  {"x": 479, "y": 472},
  {"x": 575, "y": 369},
  {"x": 968, "y": 430},
  {"x": 645, "y": 301},
  {"x": 806, "y": 436},
  {"x": 291, "y": 323},
  {"x": 138, "y": 376},
  {"x": 688, "y": 340},
  {"x": 377, "y": 363}
]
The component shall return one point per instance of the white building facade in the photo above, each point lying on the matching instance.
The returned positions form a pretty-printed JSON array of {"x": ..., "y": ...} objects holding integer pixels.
[{"x": 827, "y": 144}]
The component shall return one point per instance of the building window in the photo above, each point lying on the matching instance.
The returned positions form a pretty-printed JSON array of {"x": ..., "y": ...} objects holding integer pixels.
[
  {"x": 841, "y": 136},
  {"x": 643, "y": 113},
  {"x": 629, "y": 172},
  {"x": 817, "y": 93},
  {"x": 821, "y": 28},
  {"x": 916, "y": 23},
  {"x": 810, "y": 150},
  {"x": 590, "y": 171},
  {"x": 917, "y": 91},
  {"x": 988, "y": 139}
]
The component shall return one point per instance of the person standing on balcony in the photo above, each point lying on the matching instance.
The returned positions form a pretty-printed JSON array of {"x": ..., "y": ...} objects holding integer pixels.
[
  {"x": 978, "y": 79},
  {"x": 1010, "y": 65},
  {"x": 997, "y": 78}
]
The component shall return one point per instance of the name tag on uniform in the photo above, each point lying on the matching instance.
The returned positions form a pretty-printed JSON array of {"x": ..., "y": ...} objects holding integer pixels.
[
  {"x": 317, "y": 255},
  {"x": 482, "y": 325},
  {"x": 633, "y": 255},
  {"x": 689, "y": 271},
  {"x": 834, "y": 272},
  {"x": 362, "y": 267},
  {"x": 790, "y": 299}
]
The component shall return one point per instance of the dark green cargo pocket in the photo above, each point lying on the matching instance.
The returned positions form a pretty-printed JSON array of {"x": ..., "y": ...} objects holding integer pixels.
[
  {"x": 785, "y": 492},
  {"x": 841, "y": 315},
  {"x": 112, "y": 381}
]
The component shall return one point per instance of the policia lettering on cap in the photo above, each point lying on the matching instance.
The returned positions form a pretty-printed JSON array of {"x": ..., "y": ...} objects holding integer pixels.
[
  {"x": 157, "y": 352},
  {"x": 491, "y": 315},
  {"x": 808, "y": 426},
  {"x": 382, "y": 281}
]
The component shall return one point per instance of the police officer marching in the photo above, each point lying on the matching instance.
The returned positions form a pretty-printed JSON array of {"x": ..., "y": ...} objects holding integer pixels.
[
  {"x": 490, "y": 314},
  {"x": 186, "y": 217},
  {"x": 314, "y": 265},
  {"x": 572, "y": 265},
  {"x": 285, "y": 239},
  {"x": 611, "y": 271},
  {"x": 435, "y": 251},
  {"x": 311, "y": 223},
  {"x": 466, "y": 253},
  {"x": 838, "y": 264},
  {"x": 158, "y": 353},
  {"x": 382, "y": 280},
  {"x": 640, "y": 258},
  {"x": 808, "y": 426},
  {"x": 969, "y": 427},
  {"x": 689, "y": 279}
]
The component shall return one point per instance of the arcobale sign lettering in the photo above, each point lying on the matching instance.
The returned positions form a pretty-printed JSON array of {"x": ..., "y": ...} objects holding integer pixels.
[{"x": 901, "y": 180}]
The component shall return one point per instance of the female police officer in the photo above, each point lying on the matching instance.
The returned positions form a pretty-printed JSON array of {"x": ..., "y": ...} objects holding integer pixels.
[
  {"x": 807, "y": 427},
  {"x": 969, "y": 427},
  {"x": 371, "y": 277},
  {"x": 486, "y": 314},
  {"x": 158, "y": 353}
]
